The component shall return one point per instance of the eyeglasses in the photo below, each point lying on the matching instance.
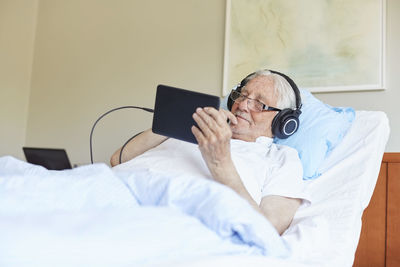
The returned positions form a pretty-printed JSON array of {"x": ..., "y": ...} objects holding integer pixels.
[{"x": 252, "y": 104}]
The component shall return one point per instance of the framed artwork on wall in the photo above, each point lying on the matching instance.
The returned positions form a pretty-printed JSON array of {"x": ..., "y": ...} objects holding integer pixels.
[{"x": 325, "y": 45}]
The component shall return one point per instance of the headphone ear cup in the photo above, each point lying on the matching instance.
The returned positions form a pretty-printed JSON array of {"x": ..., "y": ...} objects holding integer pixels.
[{"x": 285, "y": 123}]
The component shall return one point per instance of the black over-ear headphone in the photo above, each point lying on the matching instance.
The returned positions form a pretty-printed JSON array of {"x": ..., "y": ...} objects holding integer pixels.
[{"x": 286, "y": 122}]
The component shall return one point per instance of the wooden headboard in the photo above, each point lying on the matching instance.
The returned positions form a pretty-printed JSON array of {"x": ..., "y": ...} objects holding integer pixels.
[{"x": 379, "y": 243}]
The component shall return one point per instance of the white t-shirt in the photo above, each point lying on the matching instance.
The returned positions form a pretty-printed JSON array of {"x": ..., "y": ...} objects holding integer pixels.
[{"x": 264, "y": 167}]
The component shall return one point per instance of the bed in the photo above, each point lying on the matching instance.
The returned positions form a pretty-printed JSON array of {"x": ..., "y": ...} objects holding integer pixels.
[
  {"x": 97, "y": 216},
  {"x": 379, "y": 243}
]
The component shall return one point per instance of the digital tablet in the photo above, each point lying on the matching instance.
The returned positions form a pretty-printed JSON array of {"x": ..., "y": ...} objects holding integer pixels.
[
  {"x": 173, "y": 110},
  {"x": 50, "y": 158}
]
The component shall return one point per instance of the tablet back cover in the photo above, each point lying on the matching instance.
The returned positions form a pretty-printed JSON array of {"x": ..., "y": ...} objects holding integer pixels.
[{"x": 174, "y": 108}]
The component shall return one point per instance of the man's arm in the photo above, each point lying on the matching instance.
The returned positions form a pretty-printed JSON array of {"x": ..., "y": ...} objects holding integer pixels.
[
  {"x": 214, "y": 143},
  {"x": 137, "y": 146},
  {"x": 279, "y": 210}
]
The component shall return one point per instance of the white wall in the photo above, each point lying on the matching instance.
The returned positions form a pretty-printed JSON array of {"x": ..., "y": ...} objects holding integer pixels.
[
  {"x": 93, "y": 55},
  {"x": 388, "y": 100},
  {"x": 17, "y": 28}
]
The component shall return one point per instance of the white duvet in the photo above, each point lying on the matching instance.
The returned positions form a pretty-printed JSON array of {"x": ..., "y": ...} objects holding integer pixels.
[{"x": 96, "y": 216}]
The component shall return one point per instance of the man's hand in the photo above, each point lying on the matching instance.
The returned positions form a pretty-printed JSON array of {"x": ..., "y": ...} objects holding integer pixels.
[{"x": 213, "y": 136}]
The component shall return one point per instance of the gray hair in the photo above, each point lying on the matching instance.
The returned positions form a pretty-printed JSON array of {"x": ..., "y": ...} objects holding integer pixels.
[{"x": 286, "y": 97}]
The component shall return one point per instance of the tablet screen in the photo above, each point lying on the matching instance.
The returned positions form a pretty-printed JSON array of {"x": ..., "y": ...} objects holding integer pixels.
[{"x": 174, "y": 108}]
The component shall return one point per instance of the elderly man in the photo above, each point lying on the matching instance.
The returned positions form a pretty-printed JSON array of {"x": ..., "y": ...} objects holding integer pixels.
[{"x": 241, "y": 154}]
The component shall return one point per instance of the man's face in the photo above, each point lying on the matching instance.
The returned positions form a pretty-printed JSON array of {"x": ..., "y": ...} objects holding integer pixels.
[{"x": 252, "y": 124}]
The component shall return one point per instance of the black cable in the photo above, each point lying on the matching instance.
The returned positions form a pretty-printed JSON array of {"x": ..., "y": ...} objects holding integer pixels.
[
  {"x": 122, "y": 148},
  {"x": 108, "y": 112}
]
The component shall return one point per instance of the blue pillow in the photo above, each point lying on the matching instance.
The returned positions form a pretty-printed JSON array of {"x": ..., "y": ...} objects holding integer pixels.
[{"x": 322, "y": 128}]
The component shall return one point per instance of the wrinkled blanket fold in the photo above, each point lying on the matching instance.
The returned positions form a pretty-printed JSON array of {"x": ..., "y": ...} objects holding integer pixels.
[{"x": 217, "y": 206}]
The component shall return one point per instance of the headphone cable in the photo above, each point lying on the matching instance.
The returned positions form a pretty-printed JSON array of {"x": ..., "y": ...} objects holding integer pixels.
[
  {"x": 108, "y": 112},
  {"x": 122, "y": 148}
]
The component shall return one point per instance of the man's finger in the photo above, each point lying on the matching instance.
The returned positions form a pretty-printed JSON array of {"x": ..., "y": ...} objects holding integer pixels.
[
  {"x": 216, "y": 115},
  {"x": 202, "y": 124},
  {"x": 230, "y": 116},
  {"x": 220, "y": 116},
  {"x": 207, "y": 118},
  {"x": 198, "y": 134}
]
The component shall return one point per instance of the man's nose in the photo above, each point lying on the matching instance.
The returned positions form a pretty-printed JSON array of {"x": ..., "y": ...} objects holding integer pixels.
[{"x": 242, "y": 105}]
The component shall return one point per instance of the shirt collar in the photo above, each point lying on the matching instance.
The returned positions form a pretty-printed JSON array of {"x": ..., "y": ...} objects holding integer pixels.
[{"x": 264, "y": 140}]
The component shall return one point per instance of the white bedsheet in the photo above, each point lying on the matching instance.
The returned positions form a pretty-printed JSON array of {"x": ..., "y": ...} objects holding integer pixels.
[
  {"x": 328, "y": 230},
  {"x": 97, "y": 222}
]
